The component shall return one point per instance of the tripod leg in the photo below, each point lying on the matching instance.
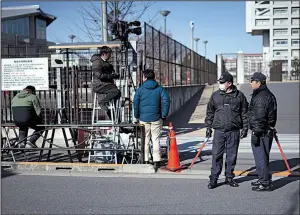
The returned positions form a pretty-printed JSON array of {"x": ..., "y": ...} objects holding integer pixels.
[
  {"x": 67, "y": 144},
  {"x": 51, "y": 144},
  {"x": 43, "y": 145}
]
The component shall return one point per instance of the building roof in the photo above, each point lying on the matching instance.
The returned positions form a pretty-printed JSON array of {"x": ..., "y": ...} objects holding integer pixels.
[
  {"x": 258, "y": 55},
  {"x": 86, "y": 45},
  {"x": 21, "y": 11}
]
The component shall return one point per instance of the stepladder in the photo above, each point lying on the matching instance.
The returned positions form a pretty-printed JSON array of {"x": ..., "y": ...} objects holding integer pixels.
[{"x": 105, "y": 135}]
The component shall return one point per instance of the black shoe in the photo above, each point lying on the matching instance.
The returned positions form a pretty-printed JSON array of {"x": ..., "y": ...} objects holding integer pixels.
[
  {"x": 22, "y": 145},
  {"x": 231, "y": 182},
  {"x": 262, "y": 188},
  {"x": 255, "y": 183},
  {"x": 32, "y": 145},
  {"x": 156, "y": 166},
  {"x": 212, "y": 185}
]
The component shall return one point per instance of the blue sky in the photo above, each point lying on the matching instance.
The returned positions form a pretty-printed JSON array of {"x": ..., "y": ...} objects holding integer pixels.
[{"x": 221, "y": 23}]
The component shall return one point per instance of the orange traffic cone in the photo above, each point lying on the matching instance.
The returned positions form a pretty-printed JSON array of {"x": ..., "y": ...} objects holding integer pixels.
[{"x": 174, "y": 161}]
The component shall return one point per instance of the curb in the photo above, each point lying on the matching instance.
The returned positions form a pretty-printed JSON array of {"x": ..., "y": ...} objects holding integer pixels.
[
  {"x": 78, "y": 167},
  {"x": 119, "y": 168}
]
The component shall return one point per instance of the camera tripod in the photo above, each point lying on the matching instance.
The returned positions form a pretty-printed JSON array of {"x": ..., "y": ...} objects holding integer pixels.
[{"x": 126, "y": 85}]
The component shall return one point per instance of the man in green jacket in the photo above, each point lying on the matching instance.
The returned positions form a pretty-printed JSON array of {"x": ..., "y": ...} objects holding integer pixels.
[{"x": 26, "y": 110}]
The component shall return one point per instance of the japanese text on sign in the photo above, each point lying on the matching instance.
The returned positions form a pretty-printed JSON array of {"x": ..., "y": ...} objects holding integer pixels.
[{"x": 17, "y": 73}]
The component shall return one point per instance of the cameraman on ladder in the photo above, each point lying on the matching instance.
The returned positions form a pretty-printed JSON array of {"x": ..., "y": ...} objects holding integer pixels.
[{"x": 103, "y": 78}]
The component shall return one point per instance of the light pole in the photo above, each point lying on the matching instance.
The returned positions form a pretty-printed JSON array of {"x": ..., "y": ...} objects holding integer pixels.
[
  {"x": 196, "y": 40},
  {"x": 165, "y": 13},
  {"x": 104, "y": 21},
  {"x": 205, "y": 42},
  {"x": 192, "y": 36},
  {"x": 206, "y": 68},
  {"x": 72, "y": 37}
]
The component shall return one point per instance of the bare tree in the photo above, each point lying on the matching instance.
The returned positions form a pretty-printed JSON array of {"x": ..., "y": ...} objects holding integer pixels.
[{"x": 90, "y": 16}]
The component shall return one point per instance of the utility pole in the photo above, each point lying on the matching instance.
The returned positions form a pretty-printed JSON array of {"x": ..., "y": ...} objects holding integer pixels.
[
  {"x": 192, "y": 35},
  {"x": 205, "y": 42},
  {"x": 165, "y": 13},
  {"x": 72, "y": 37},
  {"x": 196, "y": 40},
  {"x": 104, "y": 21}
]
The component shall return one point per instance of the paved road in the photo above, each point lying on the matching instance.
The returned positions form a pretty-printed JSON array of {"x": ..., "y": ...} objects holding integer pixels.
[{"x": 23, "y": 194}]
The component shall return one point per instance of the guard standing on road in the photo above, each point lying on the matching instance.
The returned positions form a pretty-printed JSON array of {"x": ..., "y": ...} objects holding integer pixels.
[
  {"x": 226, "y": 113},
  {"x": 262, "y": 121}
]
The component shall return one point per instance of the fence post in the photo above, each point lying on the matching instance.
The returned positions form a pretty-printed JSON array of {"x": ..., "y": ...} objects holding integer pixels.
[{"x": 58, "y": 91}]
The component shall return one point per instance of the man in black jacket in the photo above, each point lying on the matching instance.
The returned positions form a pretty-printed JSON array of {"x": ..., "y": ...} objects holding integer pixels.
[
  {"x": 262, "y": 121},
  {"x": 226, "y": 113},
  {"x": 103, "y": 77}
]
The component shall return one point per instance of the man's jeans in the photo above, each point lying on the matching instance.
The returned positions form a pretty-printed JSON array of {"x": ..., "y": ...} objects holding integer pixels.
[
  {"x": 153, "y": 131},
  {"x": 23, "y": 133}
]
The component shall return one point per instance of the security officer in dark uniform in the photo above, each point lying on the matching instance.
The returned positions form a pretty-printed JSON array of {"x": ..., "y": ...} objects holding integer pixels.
[
  {"x": 227, "y": 113},
  {"x": 262, "y": 121}
]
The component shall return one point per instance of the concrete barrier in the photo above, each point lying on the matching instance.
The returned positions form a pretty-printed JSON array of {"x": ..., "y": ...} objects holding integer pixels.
[
  {"x": 78, "y": 167},
  {"x": 180, "y": 95}
]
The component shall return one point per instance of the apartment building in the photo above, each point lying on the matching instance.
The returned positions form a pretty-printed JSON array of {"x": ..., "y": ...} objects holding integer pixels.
[
  {"x": 278, "y": 23},
  {"x": 230, "y": 64},
  {"x": 253, "y": 63}
]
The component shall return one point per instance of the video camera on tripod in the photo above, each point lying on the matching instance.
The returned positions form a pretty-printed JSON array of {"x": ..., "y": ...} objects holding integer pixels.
[{"x": 122, "y": 29}]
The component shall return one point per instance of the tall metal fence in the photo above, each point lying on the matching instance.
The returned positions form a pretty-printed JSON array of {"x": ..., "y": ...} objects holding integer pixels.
[
  {"x": 175, "y": 64},
  {"x": 74, "y": 84}
]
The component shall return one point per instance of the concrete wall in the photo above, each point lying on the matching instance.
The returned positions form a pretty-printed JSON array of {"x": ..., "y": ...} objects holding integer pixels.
[{"x": 180, "y": 95}]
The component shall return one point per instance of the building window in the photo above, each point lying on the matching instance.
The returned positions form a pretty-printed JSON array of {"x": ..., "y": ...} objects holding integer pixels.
[
  {"x": 295, "y": 53},
  {"x": 295, "y": 31},
  {"x": 295, "y": 42},
  {"x": 280, "y": 53},
  {"x": 40, "y": 29},
  {"x": 280, "y": 11},
  {"x": 262, "y": 2},
  {"x": 295, "y": 11},
  {"x": 280, "y": 42},
  {"x": 295, "y": 21},
  {"x": 295, "y": 2},
  {"x": 280, "y": 32},
  {"x": 262, "y": 12},
  {"x": 16, "y": 27},
  {"x": 280, "y": 21},
  {"x": 280, "y": 2},
  {"x": 262, "y": 22}
]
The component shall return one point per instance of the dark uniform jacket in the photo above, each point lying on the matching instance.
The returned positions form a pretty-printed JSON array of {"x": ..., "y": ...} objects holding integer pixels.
[
  {"x": 227, "y": 111},
  {"x": 262, "y": 110},
  {"x": 102, "y": 73},
  {"x": 26, "y": 109}
]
